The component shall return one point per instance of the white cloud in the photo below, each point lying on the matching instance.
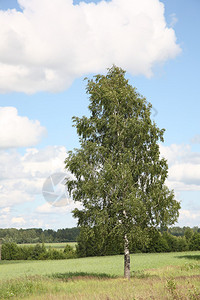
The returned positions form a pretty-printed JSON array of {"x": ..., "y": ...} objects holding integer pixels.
[
  {"x": 184, "y": 167},
  {"x": 175, "y": 153},
  {"x": 5, "y": 210},
  {"x": 21, "y": 183},
  {"x": 50, "y": 43},
  {"x": 196, "y": 139},
  {"x": 18, "y": 221},
  {"x": 14, "y": 196},
  {"x": 46, "y": 208},
  {"x": 22, "y": 221},
  {"x": 18, "y": 131},
  {"x": 189, "y": 218},
  {"x": 185, "y": 172},
  {"x": 174, "y": 20}
]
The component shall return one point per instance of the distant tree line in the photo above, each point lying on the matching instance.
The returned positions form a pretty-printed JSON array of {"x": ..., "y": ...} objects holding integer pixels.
[
  {"x": 94, "y": 242},
  {"x": 181, "y": 231},
  {"x": 38, "y": 235}
]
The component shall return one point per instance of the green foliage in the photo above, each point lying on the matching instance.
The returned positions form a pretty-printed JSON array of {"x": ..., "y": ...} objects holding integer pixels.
[
  {"x": 38, "y": 235},
  {"x": 69, "y": 252},
  {"x": 171, "y": 286},
  {"x": 119, "y": 175},
  {"x": 10, "y": 251},
  {"x": 183, "y": 245},
  {"x": 94, "y": 242},
  {"x": 188, "y": 233},
  {"x": 37, "y": 252},
  {"x": 194, "y": 243},
  {"x": 167, "y": 243},
  {"x": 157, "y": 243}
]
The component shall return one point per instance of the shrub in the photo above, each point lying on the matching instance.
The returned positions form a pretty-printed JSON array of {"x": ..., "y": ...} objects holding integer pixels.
[
  {"x": 55, "y": 254},
  {"x": 10, "y": 251},
  {"x": 69, "y": 252},
  {"x": 182, "y": 244},
  {"x": 37, "y": 251},
  {"x": 194, "y": 243}
]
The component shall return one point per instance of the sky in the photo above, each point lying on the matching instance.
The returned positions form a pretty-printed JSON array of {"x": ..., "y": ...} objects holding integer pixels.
[{"x": 47, "y": 48}]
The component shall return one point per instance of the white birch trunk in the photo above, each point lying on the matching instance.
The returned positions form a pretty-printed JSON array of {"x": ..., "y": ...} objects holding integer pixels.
[{"x": 126, "y": 258}]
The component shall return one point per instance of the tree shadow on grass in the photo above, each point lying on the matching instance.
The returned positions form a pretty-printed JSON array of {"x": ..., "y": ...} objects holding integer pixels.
[
  {"x": 194, "y": 257},
  {"x": 84, "y": 275},
  {"x": 81, "y": 275}
]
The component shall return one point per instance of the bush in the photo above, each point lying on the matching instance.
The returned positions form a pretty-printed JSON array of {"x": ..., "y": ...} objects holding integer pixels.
[
  {"x": 172, "y": 242},
  {"x": 37, "y": 252},
  {"x": 194, "y": 243},
  {"x": 10, "y": 251},
  {"x": 70, "y": 252},
  {"x": 55, "y": 254},
  {"x": 182, "y": 244},
  {"x": 161, "y": 245}
]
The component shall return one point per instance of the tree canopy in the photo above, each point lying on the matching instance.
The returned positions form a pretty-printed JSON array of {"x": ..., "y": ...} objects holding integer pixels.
[{"x": 119, "y": 176}]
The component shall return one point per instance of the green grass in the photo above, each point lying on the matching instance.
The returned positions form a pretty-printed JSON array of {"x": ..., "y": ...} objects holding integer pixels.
[
  {"x": 154, "y": 276},
  {"x": 90, "y": 287},
  {"x": 53, "y": 245},
  {"x": 60, "y": 245},
  {"x": 111, "y": 265}
]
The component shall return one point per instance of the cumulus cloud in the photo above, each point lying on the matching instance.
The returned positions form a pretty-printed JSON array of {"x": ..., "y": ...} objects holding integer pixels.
[
  {"x": 18, "y": 131},
  {"x": 23, "y": 185},
  {"x": 18, "y": 221},
  {"x": 46, "y": 208},
  {"x": 5, "y": 210},
  {"x": 48, "y": 44},
  {"x": 9, "y": 198},
  {"x": 174, "y": 20},
  {"x": 189, "y": 218},
  {"x": 20, "y": 184},
  {"x": 186, "y": 172},
  {"x": 22, "y": 203},
  {"x": 22, "y": 221},
  {"x": 184, "y": 167},
  {"x": 196, "y": 139}
]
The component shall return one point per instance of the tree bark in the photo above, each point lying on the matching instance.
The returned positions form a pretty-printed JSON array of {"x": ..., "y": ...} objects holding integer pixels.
[{"x": 126, "y": 258}]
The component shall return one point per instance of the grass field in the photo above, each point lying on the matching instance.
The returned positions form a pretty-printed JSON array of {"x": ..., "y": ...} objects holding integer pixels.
[
  {"x": 154, "y": 276},
  {"x": 53, "y": 245}
]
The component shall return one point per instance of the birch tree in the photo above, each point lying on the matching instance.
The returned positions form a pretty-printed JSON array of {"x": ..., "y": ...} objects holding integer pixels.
[{"x": 119, "y": 176}]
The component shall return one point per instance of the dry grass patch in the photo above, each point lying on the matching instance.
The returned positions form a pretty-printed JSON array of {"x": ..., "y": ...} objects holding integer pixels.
[{"x": 187, "y": 288}]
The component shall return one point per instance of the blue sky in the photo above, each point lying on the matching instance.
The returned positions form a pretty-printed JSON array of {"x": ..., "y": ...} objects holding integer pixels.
[{"x": 46, "y": 51}]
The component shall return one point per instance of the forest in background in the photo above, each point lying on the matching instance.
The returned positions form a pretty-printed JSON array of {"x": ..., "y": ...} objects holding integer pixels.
[
  {"x": 91, "y": 243},
  {"x": 38, "y": 235}
]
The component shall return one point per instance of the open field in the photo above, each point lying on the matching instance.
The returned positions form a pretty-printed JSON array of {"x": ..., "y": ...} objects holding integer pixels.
[
  {"x": 53, "y": 245},
  {"x": 155, "y": 276},
  {"x": 111, "y": 265}
]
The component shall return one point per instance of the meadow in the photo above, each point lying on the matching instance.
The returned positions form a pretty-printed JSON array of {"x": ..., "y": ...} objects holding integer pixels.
[
  {"x": 54, "y": 245},
  {"x": 154, "y": 276}
]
